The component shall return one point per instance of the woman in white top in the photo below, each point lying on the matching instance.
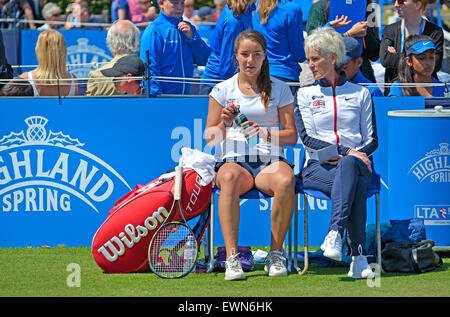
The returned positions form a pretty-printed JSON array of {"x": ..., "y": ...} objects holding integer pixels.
[
  {"x": 50, "y": 77},
  {"x": 268, "y": 103}
]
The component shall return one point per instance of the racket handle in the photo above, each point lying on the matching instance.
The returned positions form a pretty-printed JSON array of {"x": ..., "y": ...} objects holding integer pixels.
[{"x": 178, "y": 181}]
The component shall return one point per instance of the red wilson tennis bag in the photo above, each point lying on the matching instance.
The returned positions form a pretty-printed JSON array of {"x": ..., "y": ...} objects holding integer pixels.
[{"x": 121, "y": 243}]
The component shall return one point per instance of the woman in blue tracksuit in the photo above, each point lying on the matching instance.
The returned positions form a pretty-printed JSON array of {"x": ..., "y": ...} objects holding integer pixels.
[
  {"x": 335, "y": 113},
  {"x": 234, "y": 18},
  {"x": 173, "y": 46},
  {"x": 281, "y": 23}
]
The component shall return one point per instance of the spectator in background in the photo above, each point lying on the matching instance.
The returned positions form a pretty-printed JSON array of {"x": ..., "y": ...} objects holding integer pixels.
[
  {"x": 122, "y": 73},
  {"x": 51, "y": 13},
  {"x": 394, "y": 36},
  {"x": 146, "y": 13},
  {"x": 281, "y": 22},
  {"x": 235, "y": 18},
  {"x": 6, "y": 71},
  {"x": 219, "y": 5},
  {"x": 73, "y": 11},
  {"x": 122, "y": 39},
  {"x": 50, "y": 77},
  {"x": 17, "y": 87},
  {"x": 173, "y": 48},
  {"x": 417, "y": 66},
  {"x": 205, "y": 14},
  {"x": 318, "y": 17},
  {"x": 23, "y": 9},
  {"x": 120, "y": 10},
  {"x": 189, "y": 12},
  {"x": 352, "y": 64},
  {"x": 84, "y": 16}
]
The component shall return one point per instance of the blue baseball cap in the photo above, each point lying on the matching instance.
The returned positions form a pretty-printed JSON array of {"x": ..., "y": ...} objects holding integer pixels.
[
  {"x": 420, "y": 47},
  {"x": 352, "y": 49}
]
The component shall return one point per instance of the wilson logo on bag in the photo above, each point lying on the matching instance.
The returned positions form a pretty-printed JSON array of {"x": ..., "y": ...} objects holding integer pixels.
[{"x": 121, "y": 243}]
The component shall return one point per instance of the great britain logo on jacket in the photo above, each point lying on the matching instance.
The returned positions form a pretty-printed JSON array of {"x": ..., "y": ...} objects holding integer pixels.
[{"x": 317, "y": 104}]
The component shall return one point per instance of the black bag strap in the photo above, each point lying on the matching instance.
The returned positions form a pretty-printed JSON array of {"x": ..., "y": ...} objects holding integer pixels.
[{"x": 414, "y": 260}]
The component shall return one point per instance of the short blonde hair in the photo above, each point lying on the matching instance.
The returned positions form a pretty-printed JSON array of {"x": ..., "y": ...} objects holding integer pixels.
[
  {"x": 327, "y": 41},
  {"x": 51, "y": 53}
]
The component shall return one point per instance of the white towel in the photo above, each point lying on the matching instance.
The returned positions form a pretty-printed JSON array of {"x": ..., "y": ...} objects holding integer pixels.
[{"x": 202, "y": 163}]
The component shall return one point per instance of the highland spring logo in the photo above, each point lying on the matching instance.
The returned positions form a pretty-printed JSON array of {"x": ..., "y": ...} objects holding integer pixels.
[
  {"x": 42, "y": 170},
  {"x": 84, "y": 57},
  {"x": 435, "y": 166}
]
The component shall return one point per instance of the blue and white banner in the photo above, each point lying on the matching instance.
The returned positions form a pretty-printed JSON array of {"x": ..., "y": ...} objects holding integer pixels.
[{"x": 62, "y": 167}]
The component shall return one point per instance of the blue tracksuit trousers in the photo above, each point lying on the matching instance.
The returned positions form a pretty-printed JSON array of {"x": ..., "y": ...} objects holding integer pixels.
[{"x": 346, "y": 184}]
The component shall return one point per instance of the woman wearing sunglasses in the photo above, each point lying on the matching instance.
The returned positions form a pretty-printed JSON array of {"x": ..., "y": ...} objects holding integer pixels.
[
  {"x": 394, "y": 35},
  {"x": 416, "y": 66}
]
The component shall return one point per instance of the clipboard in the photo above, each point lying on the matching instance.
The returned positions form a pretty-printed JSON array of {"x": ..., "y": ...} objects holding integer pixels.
[{"x": 327, "y": 152}]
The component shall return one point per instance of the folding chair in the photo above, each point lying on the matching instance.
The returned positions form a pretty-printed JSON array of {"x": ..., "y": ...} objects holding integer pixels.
[{"x": 374, "y": 189}]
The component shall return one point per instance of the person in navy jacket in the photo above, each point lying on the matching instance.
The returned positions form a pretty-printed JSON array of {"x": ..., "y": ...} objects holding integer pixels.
[
  {"x": 281, "y": 22},
  {"x": 335, "y": 113},
  {"x": 173, "y": 47},
  {"x": 234, "y": 18}
]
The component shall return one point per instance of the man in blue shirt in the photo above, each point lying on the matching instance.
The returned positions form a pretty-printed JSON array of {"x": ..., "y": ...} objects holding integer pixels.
[
  {"x": 173, "y": 47},
  {"x": 352, "y": 64}
]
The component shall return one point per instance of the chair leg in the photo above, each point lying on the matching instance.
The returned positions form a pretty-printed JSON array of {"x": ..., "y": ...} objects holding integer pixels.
[
  {"x": 288, "y": 249},
  {"x": 210, "y": 245},
  {"x": 378, "y": 229},
  {"x": 305, "y": 209},
  {"x": 296, "y": 234}
]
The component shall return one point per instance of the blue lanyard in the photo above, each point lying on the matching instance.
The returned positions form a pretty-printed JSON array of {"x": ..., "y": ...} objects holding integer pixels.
[{"x": 403, "y": 33}]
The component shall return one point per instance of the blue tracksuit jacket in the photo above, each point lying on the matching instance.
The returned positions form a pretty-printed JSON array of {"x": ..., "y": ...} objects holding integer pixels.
[
  {"x": 220, "y": 63},
  {"x": 284, "y": 35},
  {"x": 171, "y": 54}
]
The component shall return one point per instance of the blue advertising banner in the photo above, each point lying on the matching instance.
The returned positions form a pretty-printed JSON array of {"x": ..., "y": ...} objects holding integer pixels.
[{"x": 63, "y": 166}]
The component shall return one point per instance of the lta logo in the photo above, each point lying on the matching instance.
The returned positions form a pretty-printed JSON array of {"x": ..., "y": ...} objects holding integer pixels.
[{"x": 42, "y": 170}]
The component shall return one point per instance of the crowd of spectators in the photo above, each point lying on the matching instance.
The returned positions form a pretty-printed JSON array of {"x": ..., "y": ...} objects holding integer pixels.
[{"x": 171, "y": 45}]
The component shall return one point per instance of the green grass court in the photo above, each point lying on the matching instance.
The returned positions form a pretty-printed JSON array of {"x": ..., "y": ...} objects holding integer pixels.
[{"x": 43, "y": 272}]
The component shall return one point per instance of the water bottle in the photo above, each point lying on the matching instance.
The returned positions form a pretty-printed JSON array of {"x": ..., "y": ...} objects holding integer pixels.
[
  {"x": 189, "y": 252},
  {"x": 240, "y": 119}
]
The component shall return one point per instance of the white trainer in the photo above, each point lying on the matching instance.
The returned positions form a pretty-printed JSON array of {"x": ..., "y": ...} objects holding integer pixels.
[
  {"x": 332, "y": 246},
  {"x": 359, "y": 268},
  {"x": 276, "y": 264},
  {"x": 233, "y": 268}
]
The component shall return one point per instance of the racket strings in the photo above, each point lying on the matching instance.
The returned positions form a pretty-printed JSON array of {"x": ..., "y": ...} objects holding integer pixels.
[{"x": 169, "y": 252}]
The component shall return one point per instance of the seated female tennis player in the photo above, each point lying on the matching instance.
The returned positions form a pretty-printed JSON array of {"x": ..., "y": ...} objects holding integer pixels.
[
  {"x": 335, "y": 113},
  {"x": 416, "y": 66},
  {"x": 268, "y": 103}
]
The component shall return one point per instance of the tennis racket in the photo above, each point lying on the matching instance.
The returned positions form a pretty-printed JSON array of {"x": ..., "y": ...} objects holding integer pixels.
[{"x": 173, "y": 250}]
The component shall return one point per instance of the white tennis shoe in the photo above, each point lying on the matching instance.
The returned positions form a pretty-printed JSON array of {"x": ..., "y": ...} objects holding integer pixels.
[
  {"x": 233, "y": 268},
  {"x": 359, "y": 268},
  {"x": 276, "y": 264},
  {"x": 332, "y": 246}
]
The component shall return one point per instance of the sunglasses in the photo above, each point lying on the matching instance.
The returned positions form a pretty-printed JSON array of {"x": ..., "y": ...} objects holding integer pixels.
[{"x": 400, "y": 2}]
